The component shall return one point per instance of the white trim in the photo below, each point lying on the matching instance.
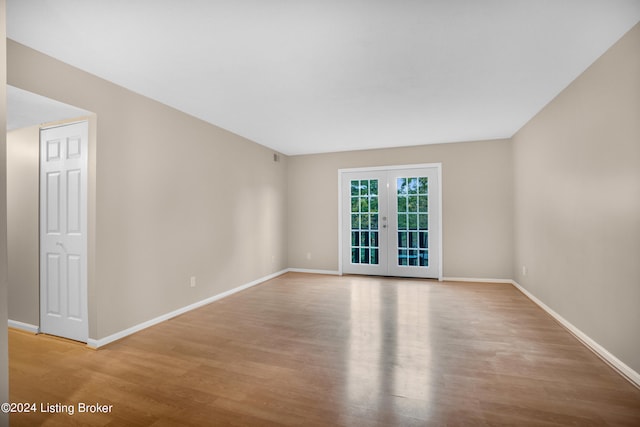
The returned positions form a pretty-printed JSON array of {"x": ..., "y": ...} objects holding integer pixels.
[
  {"x": 438, "y": 167},
  {"x": 603, "y": 353},
  {"x": 59, "y": 124},
  {"x": 309, "y": 271},
  {"x": 27, "y": 327},
  {"x": 473, "y": 279},
  {"x": 118, "y": 335},
  {"x": 393, "y": 167},
  {"x": 340, "y": 222}
]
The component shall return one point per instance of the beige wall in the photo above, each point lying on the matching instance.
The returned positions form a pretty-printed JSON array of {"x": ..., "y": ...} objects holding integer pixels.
[
  {"x": 175, "y": 197},
  {"x": 477, "y": 204},
  {"x": 577, "y": 202},
  {"x": 22, "y": 224},
  {"x": 4, "y": 359}
]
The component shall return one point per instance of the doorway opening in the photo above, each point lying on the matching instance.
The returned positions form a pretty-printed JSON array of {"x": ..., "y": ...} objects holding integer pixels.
[{"x": 27, "y": 114}]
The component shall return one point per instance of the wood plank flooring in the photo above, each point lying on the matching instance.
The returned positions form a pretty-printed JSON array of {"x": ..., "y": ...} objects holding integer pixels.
[{"x": 319, "y": 350}]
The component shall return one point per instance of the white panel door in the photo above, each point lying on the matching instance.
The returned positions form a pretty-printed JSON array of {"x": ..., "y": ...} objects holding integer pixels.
[
  {"x": 391, "y": 221},
  {"x": 63, "y": 231}
]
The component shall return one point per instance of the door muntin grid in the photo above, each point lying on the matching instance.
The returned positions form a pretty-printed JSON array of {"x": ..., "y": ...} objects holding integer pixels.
[
  {"x": 413, "y": 221},
  {"x": 365, "y": 233}
]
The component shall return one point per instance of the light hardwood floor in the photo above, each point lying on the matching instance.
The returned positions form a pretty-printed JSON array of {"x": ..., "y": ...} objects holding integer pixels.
[{"x": 317, "y": 350}]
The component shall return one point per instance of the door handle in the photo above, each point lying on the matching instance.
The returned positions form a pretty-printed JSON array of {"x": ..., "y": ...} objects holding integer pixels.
[{"x": 61, "y": 246}]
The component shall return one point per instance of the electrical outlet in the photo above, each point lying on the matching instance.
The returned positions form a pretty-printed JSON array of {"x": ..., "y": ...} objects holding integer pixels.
[
  {"x": 308, "y": 255},
  {"x": 193, "y": 281},
  {"x": 524, "y": 270}
]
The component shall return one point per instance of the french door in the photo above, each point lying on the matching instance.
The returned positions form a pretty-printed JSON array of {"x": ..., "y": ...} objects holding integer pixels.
[{"x": 391, "y": 221}]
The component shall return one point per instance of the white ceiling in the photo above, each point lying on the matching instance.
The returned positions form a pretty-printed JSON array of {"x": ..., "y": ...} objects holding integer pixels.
[
  {"x": 28, "y": 109},
  {"x": 310, "y": 76}
]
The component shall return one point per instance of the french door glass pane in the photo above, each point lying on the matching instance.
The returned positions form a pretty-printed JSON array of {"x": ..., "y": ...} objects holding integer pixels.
[
  {"x": 364, "y": 222},
  {"x": 413, "y": 258},
  {"x": 402, "y": 203},
  {"x": 412, "y": 204},
  {"x": 373, "y": 221},
  {"x": 413, "y": 221}
]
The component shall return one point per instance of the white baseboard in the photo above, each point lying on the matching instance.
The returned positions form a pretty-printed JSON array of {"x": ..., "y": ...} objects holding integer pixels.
[
  {"x": 310, "y": 271},
  {"x": 119, "y": 335},
  {"x": 473, "y": 279},
  {"x": 610, "y": 359},
  {"x": 27, "y": 327}
]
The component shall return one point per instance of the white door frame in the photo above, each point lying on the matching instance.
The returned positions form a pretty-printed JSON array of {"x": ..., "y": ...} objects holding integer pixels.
[{"x": 437, "y": 166}]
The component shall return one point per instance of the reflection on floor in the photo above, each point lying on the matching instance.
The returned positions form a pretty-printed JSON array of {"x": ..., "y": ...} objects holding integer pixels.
[{"x": 323, "y": 350}]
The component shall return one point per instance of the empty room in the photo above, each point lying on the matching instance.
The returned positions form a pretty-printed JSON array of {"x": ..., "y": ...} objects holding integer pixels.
[{"x": 318, "y": 213}]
